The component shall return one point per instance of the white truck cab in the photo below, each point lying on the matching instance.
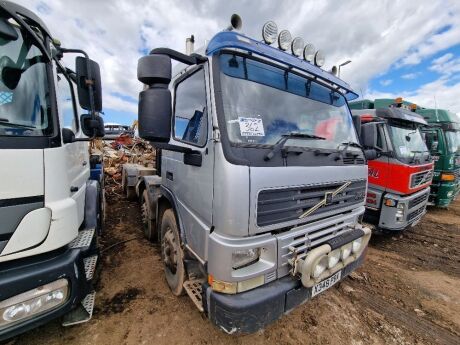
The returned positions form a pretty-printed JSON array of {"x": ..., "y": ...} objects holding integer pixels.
[{"x": 50, "y": 193}]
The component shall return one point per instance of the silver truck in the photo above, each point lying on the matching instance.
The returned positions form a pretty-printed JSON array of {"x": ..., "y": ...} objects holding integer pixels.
[{"x": 260, "y": 180}]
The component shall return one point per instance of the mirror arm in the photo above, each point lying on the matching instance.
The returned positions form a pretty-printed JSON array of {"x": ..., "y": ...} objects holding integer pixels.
[{"x": 89, "y": 82}]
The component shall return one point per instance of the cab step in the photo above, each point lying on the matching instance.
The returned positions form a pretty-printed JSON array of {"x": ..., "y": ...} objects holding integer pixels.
[
  {"x": 83, "y": 239},
  {"x": 194, "y": 290},
  {"x": 82, "y": 313},
  {"x": 90, "y": 266}
]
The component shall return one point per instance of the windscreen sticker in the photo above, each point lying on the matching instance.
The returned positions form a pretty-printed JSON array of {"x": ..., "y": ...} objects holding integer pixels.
[
  {"x": 251, "y": 127},
  {"x": 403, "y": 150}
]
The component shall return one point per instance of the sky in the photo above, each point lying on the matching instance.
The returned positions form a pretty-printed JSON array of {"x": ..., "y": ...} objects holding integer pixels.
[{"x": 397, "y": 48}]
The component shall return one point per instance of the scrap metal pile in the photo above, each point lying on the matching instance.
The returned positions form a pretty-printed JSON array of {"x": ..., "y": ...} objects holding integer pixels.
[{"x": 123, "y": 149}]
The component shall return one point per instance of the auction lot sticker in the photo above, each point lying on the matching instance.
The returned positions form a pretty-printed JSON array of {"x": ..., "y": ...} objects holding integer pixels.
[{"x": 251, "y": 127}]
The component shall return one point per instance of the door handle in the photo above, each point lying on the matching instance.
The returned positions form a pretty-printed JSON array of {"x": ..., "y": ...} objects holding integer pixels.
[
  {"x": 169, "y": 176},
  {"x": 84, "y": 163},
  {"x": 73, "y": 189}
]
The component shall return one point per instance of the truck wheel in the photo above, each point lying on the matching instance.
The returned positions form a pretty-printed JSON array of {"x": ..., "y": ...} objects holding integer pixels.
[
  {"x": 171, "y": 253},
  {"x": 150, "y": 226}
]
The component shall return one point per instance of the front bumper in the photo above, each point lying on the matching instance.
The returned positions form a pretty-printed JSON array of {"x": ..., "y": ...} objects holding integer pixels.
[
  {"x": 414, "y": 206},
  {"x": 443, "y": 193},
  {"x": 251, "y": 311},
  {"x": 23, "y": 275}
]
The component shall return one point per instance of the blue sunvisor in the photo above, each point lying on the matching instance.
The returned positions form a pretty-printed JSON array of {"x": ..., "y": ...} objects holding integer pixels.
[{"x": 233, "y": 40}]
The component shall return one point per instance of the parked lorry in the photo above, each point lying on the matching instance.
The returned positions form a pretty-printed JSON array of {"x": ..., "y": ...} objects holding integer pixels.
[
  {"x": 50, "y": 189},
  {"x": 260, "y": 179},
  {"x": 401, "y": 174},
  {"x": 443, "y": 141}
]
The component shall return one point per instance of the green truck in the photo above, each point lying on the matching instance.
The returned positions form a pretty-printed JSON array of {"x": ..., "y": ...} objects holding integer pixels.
[{"x": 443, "y": 141}]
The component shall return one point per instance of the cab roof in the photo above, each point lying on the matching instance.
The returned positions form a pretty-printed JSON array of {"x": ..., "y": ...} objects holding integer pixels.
[
  {"x": 390, "y": 113},
  {"x": 439, "y": 115}
]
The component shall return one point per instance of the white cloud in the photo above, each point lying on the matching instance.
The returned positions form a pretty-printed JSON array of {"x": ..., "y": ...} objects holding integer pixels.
[
  {"x": 374, "y": 35},
  {"x": 386, "y": 82},
  {"x": 446, "y": 65},
  {"x": 410, "y": 76}
]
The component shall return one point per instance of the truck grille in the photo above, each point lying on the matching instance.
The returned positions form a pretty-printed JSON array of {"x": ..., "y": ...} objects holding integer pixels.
[
  {"x": 418, "y": 200},
  {"x": 312, "y": 236},
  {"x": 353, "y": 160},
  {"x": 421, "y": 178},
  {"x": 413, "y": 215},
  {"x": 282, "y": 205}
]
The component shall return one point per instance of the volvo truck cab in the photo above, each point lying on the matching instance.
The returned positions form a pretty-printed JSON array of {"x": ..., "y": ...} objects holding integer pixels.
[
  {"x": 443, "y": 141},
  {"x": 401, "y": 174},
  {"x": 49, "y": 207},
  {"x": 260, "y": 178}
]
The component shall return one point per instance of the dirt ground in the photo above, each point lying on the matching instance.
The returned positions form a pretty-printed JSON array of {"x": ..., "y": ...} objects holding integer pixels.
[{"x": 407, "y": 292}]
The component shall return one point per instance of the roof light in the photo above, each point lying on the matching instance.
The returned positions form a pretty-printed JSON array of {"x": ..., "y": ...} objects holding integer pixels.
[
  {"x": 284, "y": 40},
  {"x": 309, "y": 52},
  {"x": 269, "y": 32},
  {"x": 320, "y": 59},
  {"x": 297, "y": 46},
  {"x": 413, "y": 107}
]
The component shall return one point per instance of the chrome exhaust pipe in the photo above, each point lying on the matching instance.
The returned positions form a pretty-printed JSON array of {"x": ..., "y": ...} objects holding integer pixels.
[{"x": 189, "y": 45}]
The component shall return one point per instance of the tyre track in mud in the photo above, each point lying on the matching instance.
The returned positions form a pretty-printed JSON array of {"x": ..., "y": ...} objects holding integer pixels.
[{"x": 401, "y": 318}]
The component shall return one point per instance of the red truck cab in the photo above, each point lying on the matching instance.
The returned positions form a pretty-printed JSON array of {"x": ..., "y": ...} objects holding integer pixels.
[{"x": 401, "y": 174}]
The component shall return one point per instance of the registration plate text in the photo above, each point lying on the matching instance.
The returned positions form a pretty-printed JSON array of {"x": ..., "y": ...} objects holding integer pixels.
[{"x": 325, "y": 284}]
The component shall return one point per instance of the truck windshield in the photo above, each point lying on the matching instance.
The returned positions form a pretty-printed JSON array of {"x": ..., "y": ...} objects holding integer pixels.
[
  {"x": 261, "y": 103},
  {"x": 24, "y": 104},
  {"x": 453, "y": 141},
  {"x": 407, "y": 141}
]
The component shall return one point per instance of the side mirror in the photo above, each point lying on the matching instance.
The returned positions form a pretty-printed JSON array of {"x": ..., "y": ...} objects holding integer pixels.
[
  {"x": 92, "y": 127},
  {"x": 68, "y": 136},
  {"x": 370, "y": 154},
  {"x": 155, "y": 110},
  {"x": 434, "y": 146},
  {"x": 83, "y": 80},
  {"x": 369, "y": 135}
]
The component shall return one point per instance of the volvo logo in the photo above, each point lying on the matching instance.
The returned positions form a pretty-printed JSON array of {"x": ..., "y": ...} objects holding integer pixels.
[{"x": 327, "y": 200}]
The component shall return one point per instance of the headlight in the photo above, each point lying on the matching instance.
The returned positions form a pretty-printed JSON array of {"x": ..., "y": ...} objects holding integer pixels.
[
  {"x": 309, "y": 52},
  {"x": 333, "y": 258},
  {"x": 33, "y": 302},
  {"x": 320, "y": 266},
  {"x": 356, "y": 245},
  {"x": 320, "y": 58},
  {"x": 245, "y": 257},
  {"x": 345, "y": 251},
  {"x": 269, "y": 32},
  {"x": 297, "y": 46},
  {"x": 284, "y": 40}
]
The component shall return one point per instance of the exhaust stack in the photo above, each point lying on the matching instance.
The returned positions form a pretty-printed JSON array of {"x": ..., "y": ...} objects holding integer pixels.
[{"x": 189, "y": 45}]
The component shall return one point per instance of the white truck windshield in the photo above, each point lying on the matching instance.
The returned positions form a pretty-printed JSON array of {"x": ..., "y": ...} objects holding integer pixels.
[
  {"x": 24, "y": 104},
  {"x": 262, "y": 102}
]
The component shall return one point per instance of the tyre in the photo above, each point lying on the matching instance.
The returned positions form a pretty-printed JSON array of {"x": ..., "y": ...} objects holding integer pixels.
[
  {"x": 150, "y": 225},
  {"x": 172, "y": 253}
]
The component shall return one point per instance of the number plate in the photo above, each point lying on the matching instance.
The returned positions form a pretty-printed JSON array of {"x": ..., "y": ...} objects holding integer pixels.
[{"x": 325, "y": 284}]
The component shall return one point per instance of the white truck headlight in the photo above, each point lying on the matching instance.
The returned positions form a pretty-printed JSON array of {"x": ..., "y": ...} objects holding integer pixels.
[
  {"x": 320, "y": 266},
  {"x": 33, "y": 302},
  {"x": 333, "y": 258},
  {"x": 345, "y": 251},
  {"x": 356, "y": 245},
  {"x": 245, "y": 257}
]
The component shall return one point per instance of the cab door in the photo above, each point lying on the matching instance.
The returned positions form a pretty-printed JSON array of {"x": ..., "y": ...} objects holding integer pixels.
[
  {"x": 76, "y": 154},
  {"x": 190, "y": 175}
]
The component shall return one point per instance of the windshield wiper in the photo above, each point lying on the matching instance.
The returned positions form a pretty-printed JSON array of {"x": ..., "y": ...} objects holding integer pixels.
[
  {"x": 285, "y": 137},
  {"x": 415, "y": 154},
  {"x": 7, "y": 123},
  {"x": 347, "y": 145}
]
